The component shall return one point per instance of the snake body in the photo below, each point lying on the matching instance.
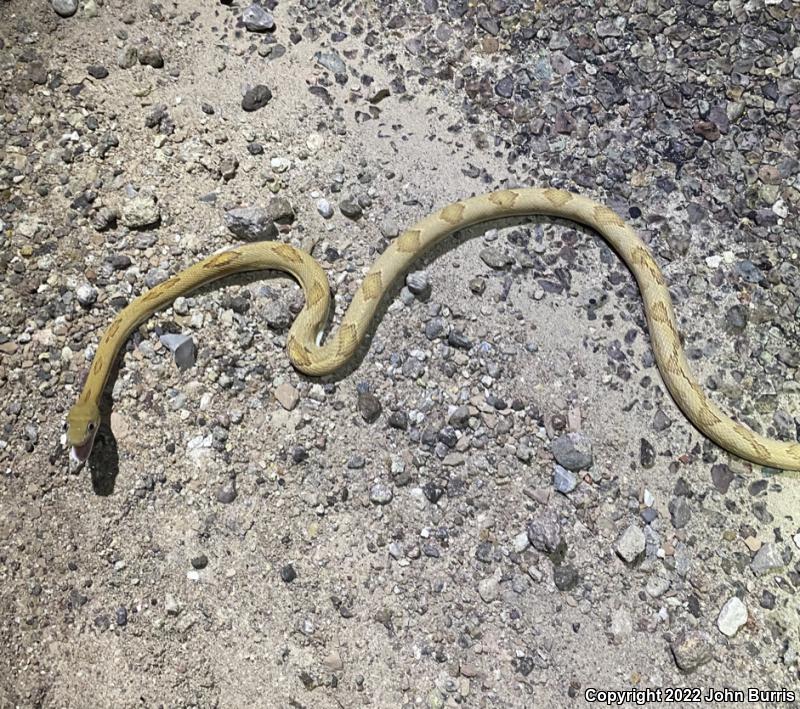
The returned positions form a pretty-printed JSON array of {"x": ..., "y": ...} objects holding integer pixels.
[{"x": 312, "y": 357}]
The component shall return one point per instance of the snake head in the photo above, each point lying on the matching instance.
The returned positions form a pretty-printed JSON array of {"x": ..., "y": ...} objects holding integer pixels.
[{"x": 83, "y": 421}]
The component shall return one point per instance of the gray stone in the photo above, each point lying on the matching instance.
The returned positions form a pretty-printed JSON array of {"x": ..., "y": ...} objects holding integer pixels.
[
  {"x": 766, "y": 560},
  {"x": 150, "y": 56},
  {"x": 182, "y": 347},
  {"x": 630, "y": 546},
  {"x": 325, "y": 208},
  {"x": 331, "y": 61},
  {"x": 227, "y": 493},
  {"x": 369, "y": 406},
  {"x": 418, "y": 283},
  {"x": 609, "y": 27},
  {"x": 489, "y": 589},
  {"x": 350, "y": 208},
  {"x": 565, "y": 577},
  {"x": 389, "y": 228},
  {"x": 691, "y": 649},
  {"x": 257, "y": 19},
  {"x": 256, "y": 97},
  {"x": 65, "y": 8},
  {"x": 281, "y": 210},
  {"x": 141, "y": 212},
  {"x": 661, "y": 421},
  {"x": 657, "y": 585},
  {"x": 380, "y": 494},
  {"x": 564, "y": 480},
  {"x": 495, "y": 258},
  {"x": 732, "y": 617},
  {"x": 97, "y": 71},
  {"x": 544, "y": 532},
  {"x": 573, "y": 451},
  {"x": 520, "y": 542},
  {"x": 154, "y": 276},
  {"x": 277, "y": 316},
  {"x": 680, "y": 511},
  {"x": 721, "y": 477},
  {"x": 251, "y": 223},
  {"x": 127, "y": 56},
  {"x": 86, "y": 295}
]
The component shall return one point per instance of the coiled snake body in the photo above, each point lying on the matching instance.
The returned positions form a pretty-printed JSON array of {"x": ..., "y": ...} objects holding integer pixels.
[{"x": 309, "y": 356}]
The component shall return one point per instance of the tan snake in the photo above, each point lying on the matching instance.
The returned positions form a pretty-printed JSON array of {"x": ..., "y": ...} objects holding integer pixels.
[{"x": 309, "y": 356}]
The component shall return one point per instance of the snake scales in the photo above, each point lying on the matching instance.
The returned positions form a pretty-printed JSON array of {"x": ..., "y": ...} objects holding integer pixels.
[{"x": 316, "y": 359}]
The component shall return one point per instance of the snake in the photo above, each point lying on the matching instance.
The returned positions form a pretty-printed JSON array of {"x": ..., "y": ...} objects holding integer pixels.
[{"x": 315, "y": 355}]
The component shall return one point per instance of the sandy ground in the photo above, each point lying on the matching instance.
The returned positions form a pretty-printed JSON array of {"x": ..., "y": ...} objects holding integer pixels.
[{"x": 365, "y": 562}]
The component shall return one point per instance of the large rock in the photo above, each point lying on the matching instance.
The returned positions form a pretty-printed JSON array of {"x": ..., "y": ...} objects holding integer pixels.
[
  {"x": 65, "y": 8},
  {"x": 141, "y": 212},
  {"x": 573, "y": 451},
  {"x": 251, "y": 223},
  {"x": 631, "y": 544},
  {"x": 257, "y": 19},
  {"x": 691, "y": 649}
]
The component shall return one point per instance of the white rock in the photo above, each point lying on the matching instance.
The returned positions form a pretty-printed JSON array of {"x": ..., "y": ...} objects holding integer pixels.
[
  {"x": 314, "y": 142},
  {"x": 732, "y": 617},
  {"x": 280, "y": 164},
  {"x": 86, "y": 295},
  {"x": 631, "y": 544}
]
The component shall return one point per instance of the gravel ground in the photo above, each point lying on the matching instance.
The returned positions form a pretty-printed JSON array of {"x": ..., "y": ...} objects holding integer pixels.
[{"x": 497, "y": 504}]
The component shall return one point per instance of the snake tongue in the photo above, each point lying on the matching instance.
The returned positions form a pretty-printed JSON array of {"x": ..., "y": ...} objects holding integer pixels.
[{"x": 80, "y": 453}]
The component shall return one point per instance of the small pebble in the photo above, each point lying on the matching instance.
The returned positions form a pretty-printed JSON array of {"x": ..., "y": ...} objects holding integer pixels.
[
  {"x": 418, "y": 283},
  {"x": 380, "y": 494},
  {"x": 350, "y": 208},
  {"x": 573, "y": 451},
  {"x": 631, "y": 544},
  {"x": 767, "y": 559},
  {"x": 257, "y": 19},
  {"x": 287, "y": 396},
  {"x": 182, "y": 347},
  {"x": 251, "y": 223},
  {"x": 691, "y": 649},
  {"x": 65, "y": 8},
  {"x": 732, "y": 617},
  {"x": 97, "y": 71},
  {"x": 141, "y": 212},
  {"x": 86, "y": 295},
  {"x": 256, "y": 98},
  {"x": 369, "y": 406},
  {"x": 171, "y": 605},
  {"x": 565, "y": 481},
  {"x": 150, "y": 56},
  {"x": 227, "y": 493},
  {"x": 325, "y": 208}
]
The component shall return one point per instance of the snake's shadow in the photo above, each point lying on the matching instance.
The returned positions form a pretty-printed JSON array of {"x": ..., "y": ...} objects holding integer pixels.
[{"x": 103, "y": 462}]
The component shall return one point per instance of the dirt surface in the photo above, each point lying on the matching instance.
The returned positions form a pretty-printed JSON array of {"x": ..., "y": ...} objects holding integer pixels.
[{"x": 496, "y": 504}]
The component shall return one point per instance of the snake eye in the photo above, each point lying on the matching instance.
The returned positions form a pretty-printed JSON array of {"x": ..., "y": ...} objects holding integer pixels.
[{"x": 91, "y": 426}]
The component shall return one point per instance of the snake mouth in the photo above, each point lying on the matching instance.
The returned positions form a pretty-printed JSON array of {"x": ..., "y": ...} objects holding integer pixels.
[{"x": 80, "y": 453}]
